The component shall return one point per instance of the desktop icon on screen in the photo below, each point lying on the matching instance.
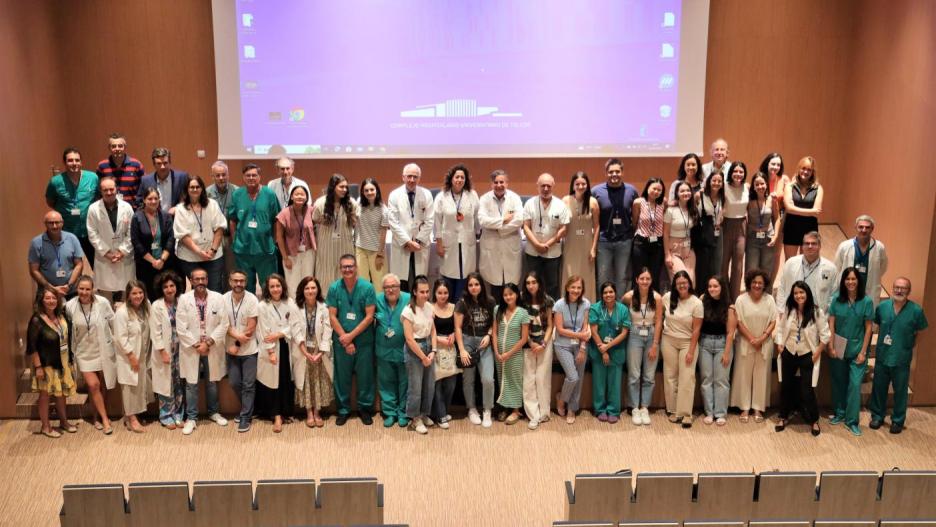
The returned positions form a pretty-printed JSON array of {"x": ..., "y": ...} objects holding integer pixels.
[
  {"x": 667, "y": 51},
  {"x": 251, "y": 53},
  {"x": 247, "y": 20},
  {"x": 666, "y": 81},
  {"x": 669, "y": 19},
  {"x": 666, "y": 111},
  {"x": 296, "y": 114}
]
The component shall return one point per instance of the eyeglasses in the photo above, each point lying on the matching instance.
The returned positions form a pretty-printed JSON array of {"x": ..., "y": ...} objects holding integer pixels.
[
  {"x": 348, "y": 267},
  {"x": 901, "y": 288},
  {"x": 391, "y": 287}
]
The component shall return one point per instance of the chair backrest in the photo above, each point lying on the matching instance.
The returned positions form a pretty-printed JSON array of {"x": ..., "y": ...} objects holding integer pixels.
[
  {"x": 908, "y": 495},
  {"x": 784, "y": 496},
  {"x": 227, "y": 503},
  {"x": 845, "y": 495},
  {"x": 92, "y": 505},
  {"x": 845, "y": 523},
  {"x": 724, "y": 496},
  {"x": 343, "y": 501},
  {"x": 663, "y": 497},
  {"x": 155, "y": 504},
  {"x": 571, "y": 523},
  {"x": 285, "y": 502},
  {"x": 599, "y": 497},
  {"x": 779, "y": 523},
  {"x": 715, "y": 523},
  {"x": 908, "y": 523}
]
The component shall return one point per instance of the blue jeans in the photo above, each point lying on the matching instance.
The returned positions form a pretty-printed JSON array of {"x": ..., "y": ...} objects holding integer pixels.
[
  {"x": 485, "y": 366},
  {"x": 420, "y": 381},
  {"x": 614, "y": 264},
  {"x": 242, "y": 374},
  {"x": 191, "y": 393},
  {"x": 641, "y": 371},
  {"x": 715, "y": 386}
]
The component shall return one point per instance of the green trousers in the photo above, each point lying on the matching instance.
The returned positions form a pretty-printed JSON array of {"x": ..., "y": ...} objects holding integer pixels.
[
  {"x": 884, "y": 376},
  {"x": 392, "y": 383},
  {"x": 846, "y": 388},
  {"x": 361, "y": 365},
  {"x": 606, "y": 387},
  {"x": 257, "y": 267}
]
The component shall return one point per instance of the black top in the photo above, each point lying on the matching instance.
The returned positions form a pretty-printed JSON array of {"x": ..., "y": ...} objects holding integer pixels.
[
  {"x": 538, "y": 320},
  {"x": 711, "y": 327},
  {"x": 444, "y": 326},
  {"x": 42, "y": 339},
  {"x": 476, "y": 321},
  {"x": 142, "y": 235}
]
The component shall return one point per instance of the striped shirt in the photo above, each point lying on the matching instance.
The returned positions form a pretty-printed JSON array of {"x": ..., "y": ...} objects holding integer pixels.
[
  {"x": 127, "y": 175},
  {"x": 368, "y": 228},
  {"x": 650, "y": 222}
]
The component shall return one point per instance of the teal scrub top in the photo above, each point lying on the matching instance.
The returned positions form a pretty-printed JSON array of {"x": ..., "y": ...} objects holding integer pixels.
[
  {"x": 901, "y": 328},
  {"x": 70, "y": 198},
  {"x": 351, "y": 306},
  {"x": 253, "y": 241},
  {"x": 390, "y": 349},
  {"x": 609, "y": 327},
  {"x": 850, "y": 322}
]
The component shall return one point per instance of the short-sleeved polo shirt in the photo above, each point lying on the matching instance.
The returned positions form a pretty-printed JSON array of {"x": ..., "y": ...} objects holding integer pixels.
[{"x": 56, "y": 260}]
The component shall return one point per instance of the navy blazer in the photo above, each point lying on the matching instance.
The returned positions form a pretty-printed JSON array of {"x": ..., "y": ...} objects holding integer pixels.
[
  {"x": 179, "y": 181},
  {"x": 142, "y": 236}
]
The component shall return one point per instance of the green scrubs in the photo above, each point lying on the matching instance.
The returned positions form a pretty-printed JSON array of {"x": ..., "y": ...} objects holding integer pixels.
[
  {"x": 847, "y": 376},
  {"x": 389, "y": 348},
  {"x": 254, "y": 250},
  {"x": 896, "y": 339},
  {"x": 351, "y": 306},
  {"x": 72, "y": 201},
  {"x": 606, "y": 380}
]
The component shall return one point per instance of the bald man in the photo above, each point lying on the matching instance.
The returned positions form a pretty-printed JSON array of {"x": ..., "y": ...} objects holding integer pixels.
[
  {"x": 55, "y": 257},
  {"x": 409, "y": 214},
  {"x": 545, "y": 218},
  {"x": 719, "y": 159}
]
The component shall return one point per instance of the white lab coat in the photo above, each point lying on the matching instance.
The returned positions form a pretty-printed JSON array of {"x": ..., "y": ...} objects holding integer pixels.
[
  {"x": 877, "y": 266},
  {"x": 323, "y": 337},
  {"x": 188, "y": 327},
  {"x": 111, "y": 276},
  {"x": 102, "y": 321},
  {"x": 500, "y": 243},
  {"x": 161, "y": 337},
  {"x": 450, "y": 232},
  {"x": 813, "y": 334},
  {"x": 409, "y": 224},
  {"x": 286, "y": 321},
  {"x": 821, "y": 282},
  {"x": 128, "y": 338}
]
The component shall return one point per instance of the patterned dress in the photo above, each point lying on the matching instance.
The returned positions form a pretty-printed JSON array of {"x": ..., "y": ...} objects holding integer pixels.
[
  {"x": 509, "y": 331},
  {"x": 317, "y": 390},
  {"x": 334, "y": 240}
]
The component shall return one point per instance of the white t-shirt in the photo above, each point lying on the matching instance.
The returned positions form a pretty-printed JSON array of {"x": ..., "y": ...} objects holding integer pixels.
[
  {"x": 200, "y": 227},
  {"x": 421, "y": 319},
  {"x": 238, "y": 313},
  {"x": 680, "y": 222},
  {"x": 545, "y": 222}
]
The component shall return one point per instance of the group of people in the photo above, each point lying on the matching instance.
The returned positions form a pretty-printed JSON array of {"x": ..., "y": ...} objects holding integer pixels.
[{"x": 606, "y": 278}]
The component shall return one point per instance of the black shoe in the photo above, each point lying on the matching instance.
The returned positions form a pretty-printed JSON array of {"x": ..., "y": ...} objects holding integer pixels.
[
  {"x": 896, "y": 428},
  {"x": 875, "y": 424},
  {"x": 781, "y": 426},
  {"x": 815, "y": 430},
  {"x": 341, "y": 420},
  {"x": 367, "y": 418}
]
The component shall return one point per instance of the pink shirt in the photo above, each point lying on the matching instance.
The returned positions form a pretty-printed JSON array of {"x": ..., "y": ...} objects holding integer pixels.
[{"x": 298, "y": 230}]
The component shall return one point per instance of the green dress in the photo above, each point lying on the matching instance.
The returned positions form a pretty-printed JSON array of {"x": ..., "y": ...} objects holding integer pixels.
[
  {"x": 510, "y": 373},
  {"x": 850, "y": 318},
  {"x": 606, "y": 380}
]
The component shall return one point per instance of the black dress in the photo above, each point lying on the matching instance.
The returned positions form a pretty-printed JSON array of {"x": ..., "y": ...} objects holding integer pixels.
[{"x": 282, "y": 400}]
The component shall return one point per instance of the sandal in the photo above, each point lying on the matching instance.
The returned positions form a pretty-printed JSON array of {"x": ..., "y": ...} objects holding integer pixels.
[
  {"x": 319, "y": 422},
  {"x": 744, "y": 417},
  {"x": 560, "y": 406},
  {"x": 570, "y": 418},
  {"x": 758, "y": 418},
  {"x": 310, "y": 422},
  {"x": 780, "y": 426},
  {"x": 98, "y": 425},
  {"x": 53, "y": 433},
  {"x": 68, "y": 427},
  {"x": 108, "y": 430}
]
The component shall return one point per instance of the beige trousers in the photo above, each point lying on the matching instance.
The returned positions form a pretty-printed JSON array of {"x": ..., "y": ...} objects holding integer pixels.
[
  {"x": 537, "y": 382},
  {"x": 678, "y": 377}
]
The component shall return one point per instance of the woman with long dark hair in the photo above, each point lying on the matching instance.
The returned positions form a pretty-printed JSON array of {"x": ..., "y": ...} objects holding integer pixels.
[
  {"x": 716, "y": 350},
  {"x": 610, "y": 324},
  {"x": 48, "y": 350},
  {"x": 643, "y": 348},
  {"x": 850, "y": 317},
  {"x": 419, "y": 332},
  {"x": 153, "y": 240},
  {"x": 313, "y": 367},
  {"x": 690, "y": 171},
  {"x": 279, "y": 328},
  {"x": 370, "y": 236},
  {"x": 198, "y": 226},
  {"x": 679, "y": 337},
  {"x": 580, "y": 246},
  {"x": 168, "y": 384},
  {"x": 678, "y": 221},
  {"x": 335, "y": 215},
  {"x": 763, "y": 228},
  {"x": 133, "y": 345},
  {"x": 733, "y": 228},
  {"x": 474, "y": 317},
  {"x": 511, "y": 330},
  {"x": 443, "y": 318},
  {"x": 648, "y": 211},
  {"x": 456, "y": 219},
  {"x": 295, "y": 236},
  {"x": 708, "y": 242},
  {"x": 538, "y": 352}
]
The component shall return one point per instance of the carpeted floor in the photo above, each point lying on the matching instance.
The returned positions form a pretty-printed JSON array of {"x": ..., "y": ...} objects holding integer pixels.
[{"x": 466, "y": 475}]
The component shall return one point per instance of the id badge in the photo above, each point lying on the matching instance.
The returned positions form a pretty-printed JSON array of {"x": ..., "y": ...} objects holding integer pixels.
[
  {"x": 761, "y": 235},
  {"x": 336, "y": 235},
  {"x": 616, "y": 221},
  {"x": 351, "y": 316},
  {"x": 390, "y": 333},
  {"x": 302, "y": 247},
  {"x": 862, "y": 269},
  {"x": 644, "y": 332},
  {"x": 606, "y": 340},
  {"x": 61, "y": 273},
  {"x": 654, "y": 239},
  {"x": 155, "y": 246},
  {"x": 252, "y": 224},
  {"x": 687, "y": 243},
  {"x": 76, "y": 212},
  {"x": 717, "y": 232},
  {"x": 888, "y": 340},
  {"x": 580, "y": 232}
]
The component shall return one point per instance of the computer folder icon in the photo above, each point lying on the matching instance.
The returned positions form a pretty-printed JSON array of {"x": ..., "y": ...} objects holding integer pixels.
[
  {"x": 667, "y": 52},
  {"x": 669, "y": 19}
]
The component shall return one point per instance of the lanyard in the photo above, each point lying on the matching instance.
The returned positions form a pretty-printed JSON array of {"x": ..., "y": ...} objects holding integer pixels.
[
  {"x": 236, "y": 311},
  {"x": 805, "y": 267},
  {"x": 198, "y": 218},
  {"x": 273, "y": 304},
  {"x": 685, "y": 217},
  {"x": 457, "y": 201},
  {"x": 574, "y": 316},
  {"x": 652, "y": 212},
  {"x": 390, "y": 311},
  {"x": 799, "y": 327},
  {"x": 500, "y": 204},
  {"x": 643, "y": 312},
  {"x": 760, "y": 213},
  {"x": 202, "y": 306},
  {"x": 154, "y": 228},
  {"x": 300, "y": 218},
  {"x": 87, "y": 316},
  {"x": 227, "y": 196},
  {"x": 283, "y": 188},
  {"x": 539, "y": 208},
  {"x": 310, "y": 324},
  {"x": 862, "y": 256}
]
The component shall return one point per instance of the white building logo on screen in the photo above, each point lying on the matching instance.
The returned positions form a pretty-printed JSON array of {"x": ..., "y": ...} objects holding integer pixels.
[{"x": 456, "y": 108}]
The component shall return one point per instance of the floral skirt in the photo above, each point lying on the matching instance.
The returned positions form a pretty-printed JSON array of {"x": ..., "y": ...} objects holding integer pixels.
[{"x": 59, "y": 383}]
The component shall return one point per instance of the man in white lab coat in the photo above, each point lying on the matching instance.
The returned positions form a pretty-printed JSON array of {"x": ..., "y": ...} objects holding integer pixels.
[
  {"x": 109, "y": 232},
  {"x": 866, "y": 254},
  {"x": 500, "y": 214},
  {"x": 819, "y": 274},
  {"x": 202, "y": 324},
  {"x": 409, "y": 210}
]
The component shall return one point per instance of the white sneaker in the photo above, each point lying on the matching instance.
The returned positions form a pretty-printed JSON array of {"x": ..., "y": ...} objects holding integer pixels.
[
  {"x": 218, "y": 419},
  {"x": 486, "y": 420},
  {"x": 428, "y": 422},
  {"x": 189, "y": 427},
  {"x": 645, "y": 416},
  {"x": 443, "y": 425},
  {"x": 474, "y": 417},
  {"x": 533, "y": 424},
  {"x": 636, "y": 416},
  {"x": 421, "y": 428},
  {"x": 445, "y": 419}
]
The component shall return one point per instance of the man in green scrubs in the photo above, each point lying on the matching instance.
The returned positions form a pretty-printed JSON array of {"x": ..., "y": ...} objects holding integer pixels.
[
  {"x": 252, "y": 213},
  {"x": 70, "y": 193},
  {"x": 391, "y": 373},
  {"x": 900, "y": 320},
  {"x": 351, "y": 304}
]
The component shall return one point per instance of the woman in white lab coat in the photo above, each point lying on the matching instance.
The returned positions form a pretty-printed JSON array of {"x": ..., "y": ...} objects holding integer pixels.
[
  {"x": 456, "y": 220},
  {"x": 164, "y": 362},
  {"x": 313, "y": 366},
  {"x": 278, "y": 328},
  {"x": 111, "y": 243},
  {"x": 132, "y": 339},
  {"x": 93, "y": 345}
]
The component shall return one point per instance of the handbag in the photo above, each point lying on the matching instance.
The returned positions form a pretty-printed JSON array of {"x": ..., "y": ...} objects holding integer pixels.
[
  {"x": 446, "y": 362},
  {"x": 702, "y": 234}
]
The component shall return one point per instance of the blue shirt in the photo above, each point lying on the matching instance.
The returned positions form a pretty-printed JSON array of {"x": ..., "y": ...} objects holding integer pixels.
[
  {"x": 615, "y": 204},
  {"x": 56, "y": 260}
]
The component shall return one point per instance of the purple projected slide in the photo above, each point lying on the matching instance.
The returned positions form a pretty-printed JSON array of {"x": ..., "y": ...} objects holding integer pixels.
[{"x": 357, "y": 77}]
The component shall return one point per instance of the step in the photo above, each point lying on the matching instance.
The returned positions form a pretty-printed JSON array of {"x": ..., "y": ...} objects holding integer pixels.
[{"x": 27, "y": 405}]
